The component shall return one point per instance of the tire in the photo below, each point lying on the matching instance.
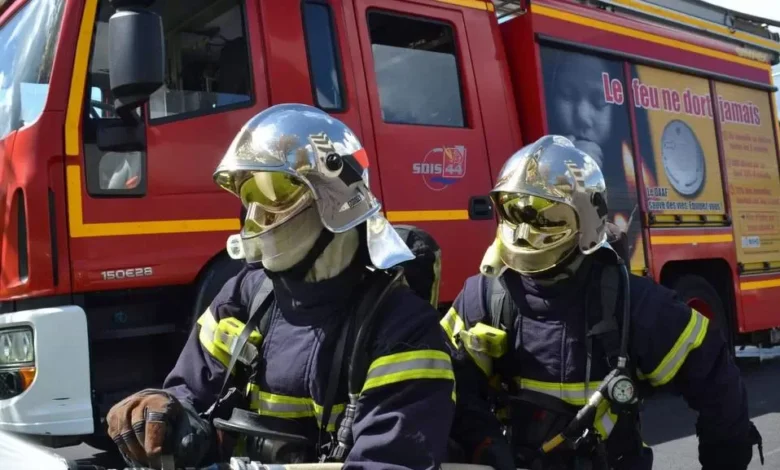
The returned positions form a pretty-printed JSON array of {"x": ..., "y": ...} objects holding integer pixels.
[
  {"x": 698, "y": 293},
  {"x": 212, "y": 282}
]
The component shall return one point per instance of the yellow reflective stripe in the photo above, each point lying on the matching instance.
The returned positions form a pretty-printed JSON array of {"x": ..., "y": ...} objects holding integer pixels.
[
  {"x": 454, "y": 393},
  {"x": 455, "y": 328},
  {"x": 335, "y": 414},
  {"x": 436, "y": 279},
  {"x": 410, "y": 365},
  {"x": 452, "y": 325},
  {"x": 690, "y": 339},
  {"x": 572, "y": 393},
  {"x": 208, "y": 327},
  {"x": 219, "y": 339},
  {"x": 605, "y": 420},
  {"x": 283, "y": 406}
]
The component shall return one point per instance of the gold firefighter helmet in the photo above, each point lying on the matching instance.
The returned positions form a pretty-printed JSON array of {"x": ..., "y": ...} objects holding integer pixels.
[{"x": 551, "y": 200}]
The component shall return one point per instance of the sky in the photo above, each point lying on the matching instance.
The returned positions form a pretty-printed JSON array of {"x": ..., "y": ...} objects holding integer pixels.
[{"x": 769, "y": 9}]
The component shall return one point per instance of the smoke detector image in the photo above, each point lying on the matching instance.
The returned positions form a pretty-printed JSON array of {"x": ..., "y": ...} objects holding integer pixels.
[{"x": 683, "y": 158}]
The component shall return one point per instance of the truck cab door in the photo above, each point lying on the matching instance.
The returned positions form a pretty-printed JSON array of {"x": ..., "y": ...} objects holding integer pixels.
[{"x": 428, "y": 128}]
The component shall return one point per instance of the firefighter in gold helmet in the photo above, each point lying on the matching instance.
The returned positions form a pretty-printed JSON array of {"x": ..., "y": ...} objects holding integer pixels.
[{"x": 552, "y": 341}]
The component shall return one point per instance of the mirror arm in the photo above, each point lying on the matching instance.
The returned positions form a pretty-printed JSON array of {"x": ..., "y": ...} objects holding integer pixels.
[{"x": 131, "y": 117}]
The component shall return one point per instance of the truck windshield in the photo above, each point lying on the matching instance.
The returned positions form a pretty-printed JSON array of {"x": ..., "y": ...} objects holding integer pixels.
[{"x": 27, "y": 43}]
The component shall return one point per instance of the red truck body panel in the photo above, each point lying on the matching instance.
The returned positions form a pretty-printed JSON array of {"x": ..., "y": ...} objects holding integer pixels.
[{"x": 181, "y": 224}]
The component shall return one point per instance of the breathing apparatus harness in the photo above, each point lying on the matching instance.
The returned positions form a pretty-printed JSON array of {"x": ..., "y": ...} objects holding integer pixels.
[
  {"x": 357, "y": 334},
  {"x": 618, "y": 387}
]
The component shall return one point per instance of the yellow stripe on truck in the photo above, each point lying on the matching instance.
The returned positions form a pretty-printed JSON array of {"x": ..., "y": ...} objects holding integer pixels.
[
  {"x": 625, "y": 31},
  {"x": 79, "y": 229},
  {"x": 78, "y": 80},
  {"x": 690, "y": 239}
]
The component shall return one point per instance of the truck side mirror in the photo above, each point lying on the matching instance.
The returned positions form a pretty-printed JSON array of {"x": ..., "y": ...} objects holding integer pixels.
[{"x": 136, "y": 55}]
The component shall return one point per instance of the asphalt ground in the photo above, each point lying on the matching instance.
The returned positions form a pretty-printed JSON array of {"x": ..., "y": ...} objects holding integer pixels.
[{"x": 668, "y": 423}]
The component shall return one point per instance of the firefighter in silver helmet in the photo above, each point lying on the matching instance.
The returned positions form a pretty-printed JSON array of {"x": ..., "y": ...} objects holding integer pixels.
[
  {"x": 313, "y": 237},
  {"x": 554, "y": 340}
]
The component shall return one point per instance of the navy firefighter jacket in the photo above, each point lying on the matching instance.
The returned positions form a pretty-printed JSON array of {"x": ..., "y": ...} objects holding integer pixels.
[
  {"x": 406, "y": 406},
  {"x": 669, "y": 344}
]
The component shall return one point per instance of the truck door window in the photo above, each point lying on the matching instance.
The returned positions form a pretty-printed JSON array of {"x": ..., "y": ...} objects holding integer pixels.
[
  {"x": 208, "y": 65},
  {"x": 416, "y": 70},
  {"x": 27, "y": 43},
  {"x": 322, "y": 53},
  {"x": 207, "y": 71},
  {"x": 108, "y": 173}
]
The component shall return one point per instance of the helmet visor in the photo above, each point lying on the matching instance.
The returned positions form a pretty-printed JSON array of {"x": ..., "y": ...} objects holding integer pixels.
[
  {"x": 538, "y": 223},
  {"x": 274, "y": 192},
  {"x": 271, "y": 198}
]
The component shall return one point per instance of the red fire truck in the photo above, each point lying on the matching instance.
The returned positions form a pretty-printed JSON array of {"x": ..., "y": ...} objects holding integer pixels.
[{"x": 113, "y": 234}]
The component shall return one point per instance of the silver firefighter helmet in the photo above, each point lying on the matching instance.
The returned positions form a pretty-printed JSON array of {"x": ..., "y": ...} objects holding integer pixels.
[
  {"x": 551, "y": 199},
  {"x": 292, "y": 155}
]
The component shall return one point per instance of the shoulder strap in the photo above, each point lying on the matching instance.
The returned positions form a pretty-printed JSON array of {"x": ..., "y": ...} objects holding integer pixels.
[
  {"x": 336, "y": 371},
  {"x": 261, "y": 303},
  {"x": 265, "y": 292},
  {"x": 500, "y": 305},
  {"x": 607, "y": 331}
]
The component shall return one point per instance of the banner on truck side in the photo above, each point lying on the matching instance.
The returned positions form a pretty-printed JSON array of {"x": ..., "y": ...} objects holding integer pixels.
[
  {"x": 586, "y": 101},
  {"x": 747, "y": 131},
  {"x": 678, "y": 142}
]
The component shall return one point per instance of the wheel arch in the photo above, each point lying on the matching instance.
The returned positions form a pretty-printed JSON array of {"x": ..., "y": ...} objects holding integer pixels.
[{"x": 717, "y": 273}]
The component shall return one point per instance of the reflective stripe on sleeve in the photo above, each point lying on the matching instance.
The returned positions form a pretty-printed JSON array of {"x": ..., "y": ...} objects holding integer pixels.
[
  {"x": 219, "y": 339},
  {"x": 410, "y": 365},
  {"x": 690, "y": 339}
]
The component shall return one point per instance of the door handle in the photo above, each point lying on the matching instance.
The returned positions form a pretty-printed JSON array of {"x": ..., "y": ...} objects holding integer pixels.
[{"x": 480, "y": 208}]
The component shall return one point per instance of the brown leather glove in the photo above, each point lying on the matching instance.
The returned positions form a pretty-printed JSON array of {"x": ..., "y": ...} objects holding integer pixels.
[{"x": 140, "y": 423}]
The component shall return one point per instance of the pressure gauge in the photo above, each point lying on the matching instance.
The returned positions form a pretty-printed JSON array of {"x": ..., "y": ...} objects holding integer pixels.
[{"x": 622, "y": 390}]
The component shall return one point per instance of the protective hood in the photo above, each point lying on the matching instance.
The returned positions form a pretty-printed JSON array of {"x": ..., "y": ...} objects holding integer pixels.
[{"x": 286, "y": 245}]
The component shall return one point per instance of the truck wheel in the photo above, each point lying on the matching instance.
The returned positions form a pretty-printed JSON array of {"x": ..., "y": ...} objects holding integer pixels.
[
  {"x": 209, "y": 286},
  {"x": 699, "y": 294}
]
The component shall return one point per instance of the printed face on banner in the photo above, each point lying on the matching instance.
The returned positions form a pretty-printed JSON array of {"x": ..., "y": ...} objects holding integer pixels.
[
  {"x": 586, "y": 101},
  {"x": 677, "y": 142}
]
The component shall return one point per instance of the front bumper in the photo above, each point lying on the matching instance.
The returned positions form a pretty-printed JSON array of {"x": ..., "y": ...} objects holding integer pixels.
[{"x": 58, "y": 402}]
